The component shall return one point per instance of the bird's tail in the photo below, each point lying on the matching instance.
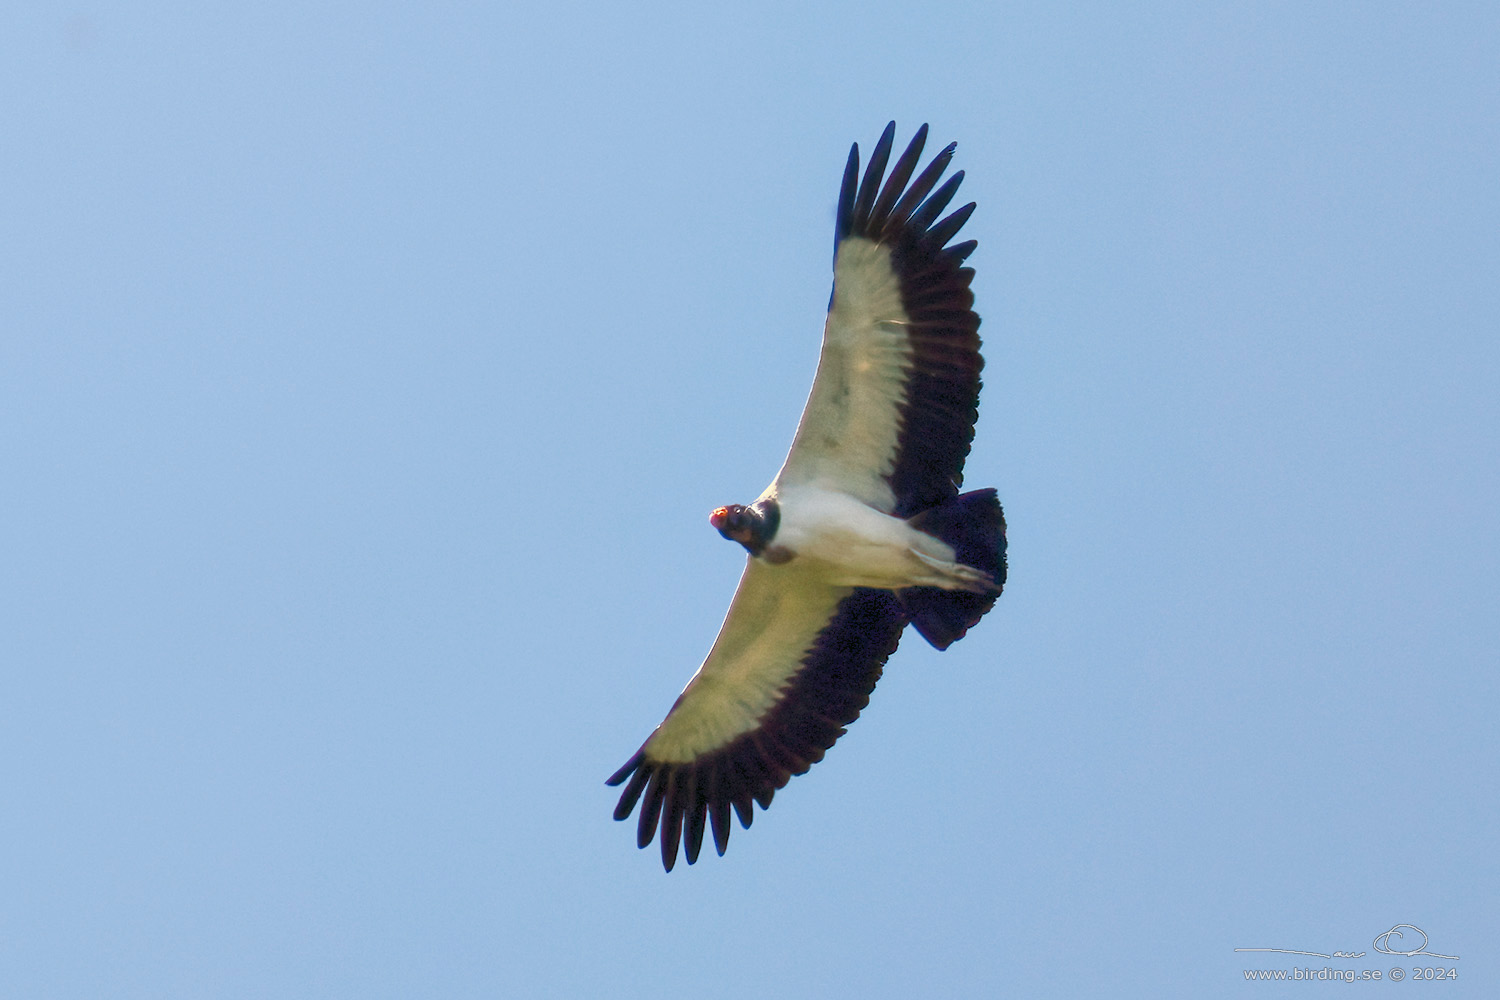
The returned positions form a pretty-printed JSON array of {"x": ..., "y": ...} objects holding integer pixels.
[{"x": 974, "y": 525}]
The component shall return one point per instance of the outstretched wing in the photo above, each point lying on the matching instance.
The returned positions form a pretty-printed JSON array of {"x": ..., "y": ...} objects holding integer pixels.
[
  {"x": 794, "y": 663},
  {"x": 891, "y": 414}
]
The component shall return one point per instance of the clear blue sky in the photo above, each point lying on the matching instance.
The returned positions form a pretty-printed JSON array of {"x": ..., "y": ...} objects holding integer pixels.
[{"x": 367, "y": 375}]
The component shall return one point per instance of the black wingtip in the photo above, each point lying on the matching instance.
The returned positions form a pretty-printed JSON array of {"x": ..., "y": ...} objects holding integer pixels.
[
  {"x": 692, "y": 826},
  {"x": 874, "y": 171},
  {"x": 944, "y": 231},
  {"x": 959, "y": 252},
  {"x": 844, "y": 220},
  {"x": 925, "y": 215},
  {"x": 631, "y": 794},
  {"x": 718, "y": 815},
  {"x": 878, "y": 206},
  {"x": 926, "y": 180},
  {"x": 896, "y": 182},
  {"x": 625, "y": 772},
  {"x": 650, "y": 808},
  {"x": 671, "y": 823}
]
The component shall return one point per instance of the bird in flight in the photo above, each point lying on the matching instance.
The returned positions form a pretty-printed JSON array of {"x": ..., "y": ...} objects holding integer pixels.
[{"x": 862, "y": 532}]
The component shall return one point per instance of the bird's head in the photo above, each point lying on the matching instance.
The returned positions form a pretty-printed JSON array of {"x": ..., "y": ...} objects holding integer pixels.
[
  {"x": 736, "y": 523},
  {"x": 753, "y": 526}
]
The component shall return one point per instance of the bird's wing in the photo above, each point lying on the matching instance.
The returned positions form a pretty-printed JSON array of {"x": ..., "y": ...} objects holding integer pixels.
[
  {"x": 892, "y": 409},
  {"x": 794, "y": 663}
]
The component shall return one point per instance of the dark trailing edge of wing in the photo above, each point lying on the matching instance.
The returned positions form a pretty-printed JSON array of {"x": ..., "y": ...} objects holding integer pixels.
[
  {"x": 942, "y": 393},
  {"x": 829, "y": 691}
]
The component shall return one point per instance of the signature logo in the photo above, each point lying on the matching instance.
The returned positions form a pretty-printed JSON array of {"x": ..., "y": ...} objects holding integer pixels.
[{"x": 1383, "y": 943}]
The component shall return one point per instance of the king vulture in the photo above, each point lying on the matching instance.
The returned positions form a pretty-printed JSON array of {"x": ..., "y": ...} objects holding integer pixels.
[{"x": 862, "y": 532}]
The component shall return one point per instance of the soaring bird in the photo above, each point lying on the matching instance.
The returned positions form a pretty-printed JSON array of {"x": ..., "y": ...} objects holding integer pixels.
[{"x": 862, "y": 532}]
